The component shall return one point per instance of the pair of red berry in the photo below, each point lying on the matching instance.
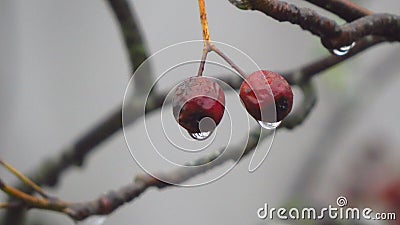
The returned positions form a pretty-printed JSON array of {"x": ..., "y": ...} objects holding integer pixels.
[{"x": 199, "y": 102}]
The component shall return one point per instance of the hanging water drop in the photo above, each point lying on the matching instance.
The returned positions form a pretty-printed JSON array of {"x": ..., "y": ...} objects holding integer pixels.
[
  {"x": 200, "y": 136},
  {"x": 343, "y": 50},
  {"x": 269, "y": 126},
  {"x": 206, "y": 126}
]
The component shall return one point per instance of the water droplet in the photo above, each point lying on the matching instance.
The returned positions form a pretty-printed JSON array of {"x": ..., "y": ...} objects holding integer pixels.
[
  {"x": 200, "y": 136},
  {"x": 269, "y": 126},
  {"x": 343, "y": 50}
]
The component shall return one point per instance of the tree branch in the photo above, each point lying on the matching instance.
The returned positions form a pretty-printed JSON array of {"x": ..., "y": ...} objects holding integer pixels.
[
  {"x": 133, "y": 40},
  {"x": 308, "y": 71},
  {"x": 48, "y": 173},
  {"x": 345, "y": 9},
  {"x": 108, "y": 203},
  {"x": 31, "y": 201},
  {"x": 306, "y": 18},
  {"x": 332, "y": 35},
  {"x": 111, "y": 201},
  {"x": 24, "y": 179},
  {"x": 383, "y": 25},
  {"x": 130, "y": 31}
]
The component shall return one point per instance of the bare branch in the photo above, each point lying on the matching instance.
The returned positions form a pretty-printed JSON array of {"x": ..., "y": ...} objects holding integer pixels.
[
  {"x": 308, "y": 71},
  {"x": 130, "y": 31},
  {"x": 133, "y": 40},
  {"x": 345, "y": 9},
  {"x": 108, "y": 203},
  {"x": 332, "y": 35},
  {"x": 32, "y": 201},
  {"x": 383, "y": 25},
  {"x": 24, "y": 179},
  {"x": 113, "y": 200},
  {"x": 304, "y": 17},
  {"x": 49, "y": 172},
  {"x": 9, "y": 205}
]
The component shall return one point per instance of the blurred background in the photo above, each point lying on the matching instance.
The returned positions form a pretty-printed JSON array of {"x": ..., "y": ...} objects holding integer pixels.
[{"x": 63, "y": 68}]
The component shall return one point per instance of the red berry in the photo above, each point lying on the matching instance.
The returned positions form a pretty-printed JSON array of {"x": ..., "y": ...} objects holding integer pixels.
[
  {"x": 195, "y": 99},
  {"x": 267, "y": 96}
]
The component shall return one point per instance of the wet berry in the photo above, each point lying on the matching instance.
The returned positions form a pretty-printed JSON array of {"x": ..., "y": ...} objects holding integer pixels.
[
  {"x": 267, "y": 96},
  {"x": 198, "y": 105}
]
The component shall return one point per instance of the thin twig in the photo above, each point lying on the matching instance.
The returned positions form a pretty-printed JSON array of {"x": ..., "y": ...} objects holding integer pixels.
[
  {"x": 228, "y": 60},
  {"x": 204, "y": 22},
  {"x": 206, "y": 36},
  {"x": 32, "y": 201},
  {"x": 4, "y": 205},
  {"x": 208, "y": 46},
  {"x": 131, "y": 33},
  {"x": 10, "y": 205},
  {"x": 24, "y": 179},
  {"x": 206, "y": 50}
]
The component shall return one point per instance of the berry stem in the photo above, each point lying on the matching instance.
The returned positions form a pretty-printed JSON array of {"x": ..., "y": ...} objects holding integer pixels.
[
  {"x": 228, "y": 60},
  {"x": 206, "y": 36},
  {"x": 208, "y": 46},
  {"x": 206, "y": 50},
  {"x": 204, "y": 23}
]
